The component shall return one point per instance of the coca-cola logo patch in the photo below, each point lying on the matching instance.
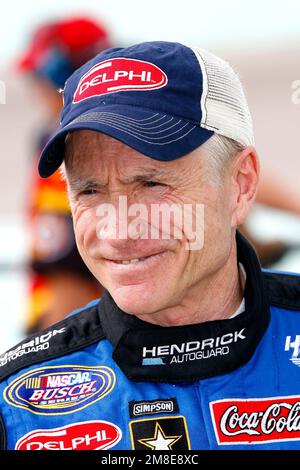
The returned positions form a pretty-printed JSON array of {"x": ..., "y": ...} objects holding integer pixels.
[
  {"x": 256, "y": 421},
  {"x": 119, "y": 74},
  {"x": 88, "y": 435}
]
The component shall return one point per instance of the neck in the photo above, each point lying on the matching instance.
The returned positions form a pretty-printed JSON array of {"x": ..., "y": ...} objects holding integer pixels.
[{"x": 215, "y": 298}]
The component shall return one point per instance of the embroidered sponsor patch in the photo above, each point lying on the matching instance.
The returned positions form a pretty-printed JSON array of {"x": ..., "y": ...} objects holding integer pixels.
[
  {"x": 255, "y": 421},
  {"x": 36, "y": 345},
  {"x": 169, "y": 433},
  {"x": 87, "y": 435},
  {"x": 293, "y": 344},
  {"x": 152, "y": 407},
  {"x": 191, "y": 351},
  {"x": 119, "y": 74},
  {"x": 60, "y": 389}
]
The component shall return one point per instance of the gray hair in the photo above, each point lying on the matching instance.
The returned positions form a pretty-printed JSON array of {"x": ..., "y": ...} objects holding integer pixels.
[
  {"x": 62, "y": 172},
  {"x": 218, "y": 151}
]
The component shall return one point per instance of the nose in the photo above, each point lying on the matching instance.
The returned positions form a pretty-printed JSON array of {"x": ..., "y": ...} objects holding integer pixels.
[{"x": 121, "y": 220}]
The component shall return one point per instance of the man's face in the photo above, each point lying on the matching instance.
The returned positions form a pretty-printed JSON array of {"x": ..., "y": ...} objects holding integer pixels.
[{"x": 164, "y": 272}]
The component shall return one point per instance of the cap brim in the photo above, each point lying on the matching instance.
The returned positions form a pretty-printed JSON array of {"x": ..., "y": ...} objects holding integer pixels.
[{"x": 156, "y": 135}]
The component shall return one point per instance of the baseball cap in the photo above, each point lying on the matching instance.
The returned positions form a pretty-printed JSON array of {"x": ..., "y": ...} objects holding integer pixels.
[{"x": 163, "y": 99}]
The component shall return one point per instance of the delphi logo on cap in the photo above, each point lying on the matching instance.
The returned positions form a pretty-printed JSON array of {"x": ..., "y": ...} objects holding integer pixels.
[{"x": 119, "y": 74}]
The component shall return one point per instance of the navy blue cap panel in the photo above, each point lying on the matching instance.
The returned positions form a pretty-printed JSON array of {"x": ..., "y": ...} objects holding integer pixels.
[
  {"x": 147, "y": 96},
  {"x": 159, "y": 136},
  {"x": 52, "y": 155},
  {"x": 180, "y": 96}
]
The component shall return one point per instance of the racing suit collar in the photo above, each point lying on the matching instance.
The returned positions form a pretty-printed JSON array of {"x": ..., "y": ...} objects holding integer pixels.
[{"x": 147, "y": 352}]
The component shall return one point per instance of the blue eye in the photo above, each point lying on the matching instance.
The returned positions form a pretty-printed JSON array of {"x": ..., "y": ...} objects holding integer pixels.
[
  {"x": 151, "y": 184},
  {"x": 88, "y": 192}
]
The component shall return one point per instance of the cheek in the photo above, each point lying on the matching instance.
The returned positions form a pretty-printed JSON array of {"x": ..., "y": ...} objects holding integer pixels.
[
  {"x": 218, "y": 229},
  {"x": 85, "y": 227},
  {"x": 218, "y": 206},
  {"x": 216, "y": 224}
]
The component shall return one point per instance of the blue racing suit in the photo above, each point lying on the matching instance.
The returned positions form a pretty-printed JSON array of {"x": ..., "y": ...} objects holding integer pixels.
[{"x": 103, "y": 379}]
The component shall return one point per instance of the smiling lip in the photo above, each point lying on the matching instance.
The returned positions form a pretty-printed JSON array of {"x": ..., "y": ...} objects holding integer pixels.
[{"x": 135, "y": 262}]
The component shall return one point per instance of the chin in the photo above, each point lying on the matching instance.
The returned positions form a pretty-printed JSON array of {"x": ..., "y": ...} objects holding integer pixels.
[{"x": 136, "y": 300}]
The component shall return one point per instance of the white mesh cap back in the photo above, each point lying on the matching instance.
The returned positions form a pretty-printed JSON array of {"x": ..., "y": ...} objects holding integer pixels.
[{"x": 223, "y": 103}]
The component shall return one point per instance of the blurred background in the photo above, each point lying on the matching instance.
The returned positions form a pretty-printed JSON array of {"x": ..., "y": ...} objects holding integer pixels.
[{"x": 41, "y": 43}]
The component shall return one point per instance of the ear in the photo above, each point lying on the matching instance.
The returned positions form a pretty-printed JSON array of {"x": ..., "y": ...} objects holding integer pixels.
[{"x": 244, "y": 179}]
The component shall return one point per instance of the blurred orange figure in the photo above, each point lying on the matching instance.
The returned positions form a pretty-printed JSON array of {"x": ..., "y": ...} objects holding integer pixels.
[{"x": 60, "y": 282}]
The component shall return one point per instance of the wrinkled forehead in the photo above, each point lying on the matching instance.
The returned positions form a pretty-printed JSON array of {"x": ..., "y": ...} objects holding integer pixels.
[
  {"x": 86, "y": 150},
  {"x": 81, "y": 142}
]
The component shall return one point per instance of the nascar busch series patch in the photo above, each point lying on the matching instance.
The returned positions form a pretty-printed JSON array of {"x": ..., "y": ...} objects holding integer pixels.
[
  {"x": 160, "y": 434},
  {"x": 60, "y": 389},
  {"x": 87, "y": 435},
  {"x": 256, "y": 421},
  {"x": 119, "y": 74}
]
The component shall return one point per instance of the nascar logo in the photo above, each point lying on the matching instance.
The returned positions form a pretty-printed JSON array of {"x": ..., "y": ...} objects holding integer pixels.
[
  {"x": 58, "y": 380},
  {"x": 119, "y": 74},
  {"x": 60, "y": 389}
]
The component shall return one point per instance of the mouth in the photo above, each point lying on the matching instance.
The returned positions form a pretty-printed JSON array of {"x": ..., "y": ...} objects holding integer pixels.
[
  {"x": 142, "y": 261},
  {"x": 129, "y": 261}
]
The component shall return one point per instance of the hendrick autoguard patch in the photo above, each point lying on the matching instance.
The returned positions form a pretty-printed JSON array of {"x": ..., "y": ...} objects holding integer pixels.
[
  {"x": 186, "y": 352},
  {"x": 192, "y": 353}
]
